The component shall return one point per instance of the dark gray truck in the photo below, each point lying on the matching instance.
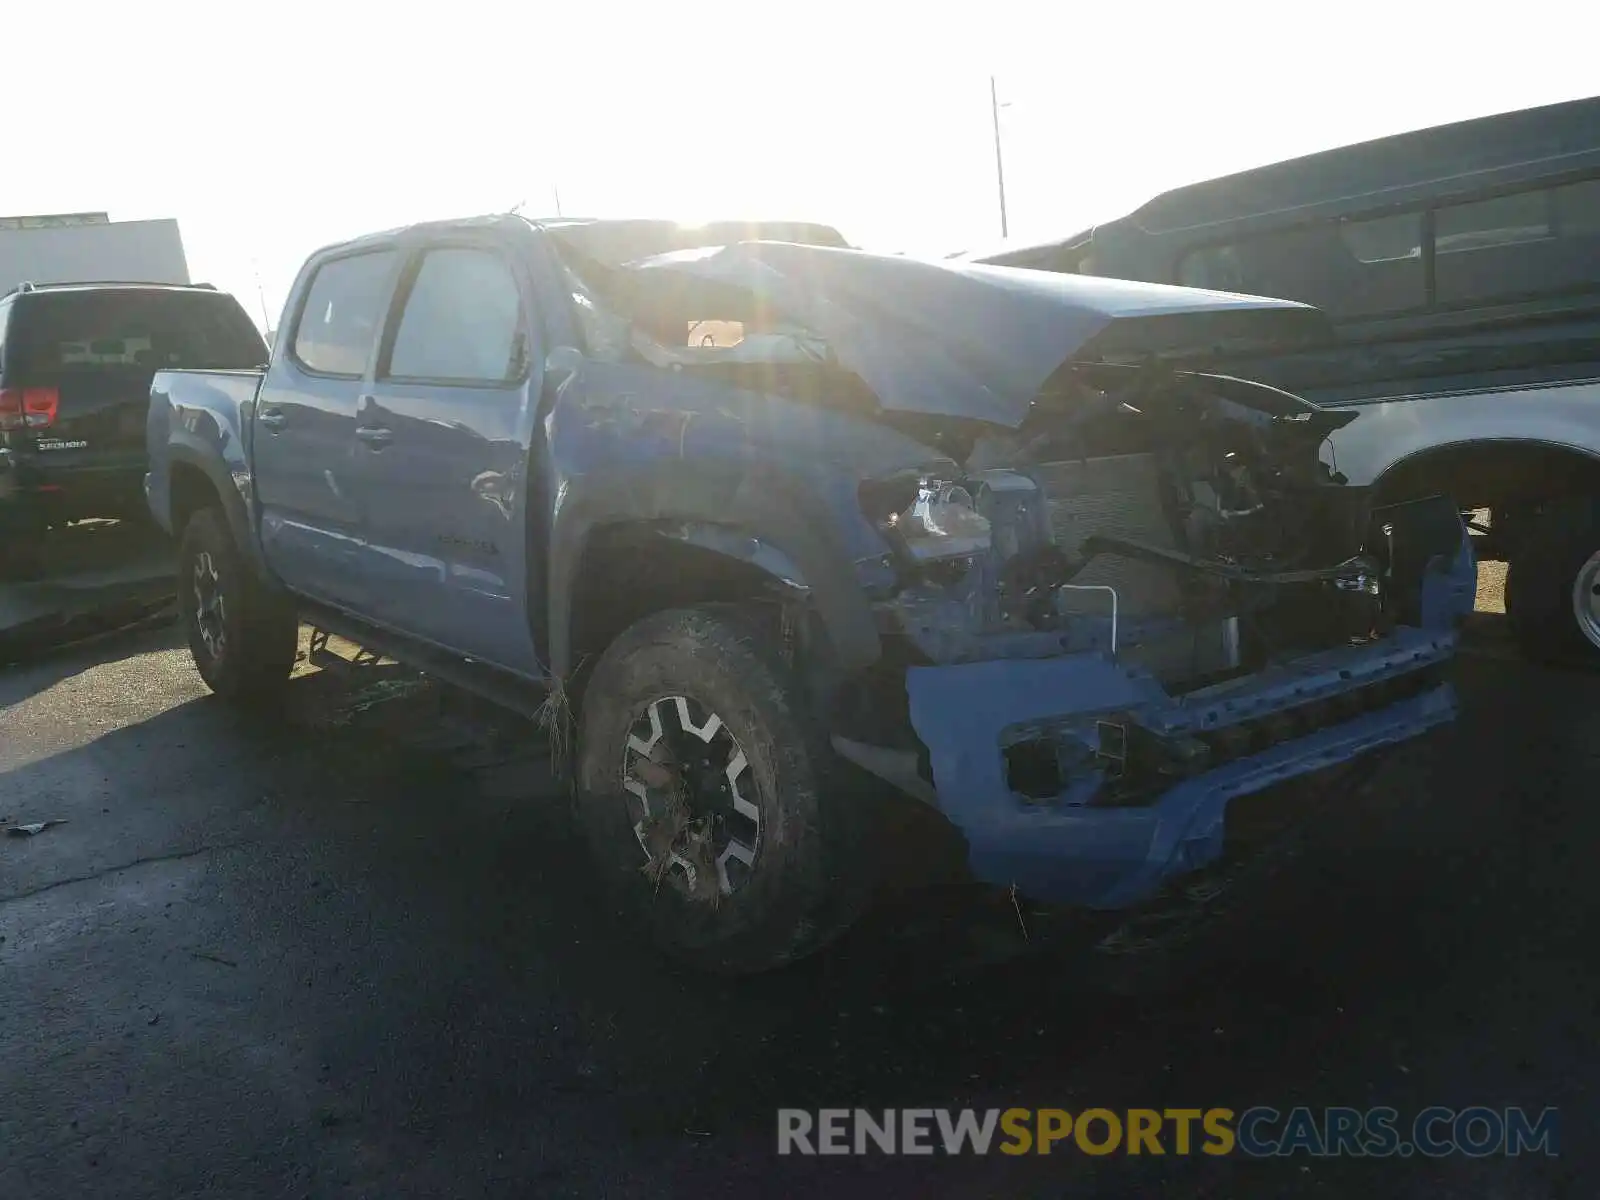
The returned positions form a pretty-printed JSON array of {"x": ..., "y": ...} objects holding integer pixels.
[
  {"x": 777, "y": 523},
  {"x": 1460, "y": 270}
]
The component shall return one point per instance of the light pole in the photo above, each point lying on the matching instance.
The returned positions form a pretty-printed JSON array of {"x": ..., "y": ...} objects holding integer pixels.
[
  {"x": 261, "y": 295},
  {"x": 999, "y": 158}
]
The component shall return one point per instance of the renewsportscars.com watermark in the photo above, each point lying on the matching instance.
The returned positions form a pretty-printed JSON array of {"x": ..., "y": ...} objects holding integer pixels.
[{"x": 1476, "y": 1132}]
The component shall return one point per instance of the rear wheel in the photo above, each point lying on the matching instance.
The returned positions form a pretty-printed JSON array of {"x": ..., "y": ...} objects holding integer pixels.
[
  {"x": 241, "y": 635},
  {"x": 710, "y": 797},
  {"x": 1553, "y": 584}
]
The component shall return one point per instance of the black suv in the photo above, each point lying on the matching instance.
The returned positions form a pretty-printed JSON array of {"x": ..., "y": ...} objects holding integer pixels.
[{"x": 76, "y": 362}]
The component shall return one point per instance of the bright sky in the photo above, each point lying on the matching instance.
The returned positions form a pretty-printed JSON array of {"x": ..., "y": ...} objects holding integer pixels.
[{"x": 269, "y": 130}]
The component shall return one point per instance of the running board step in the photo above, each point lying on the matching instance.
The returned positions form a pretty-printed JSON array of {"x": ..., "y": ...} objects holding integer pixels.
[{"x": 521, "y": 696}]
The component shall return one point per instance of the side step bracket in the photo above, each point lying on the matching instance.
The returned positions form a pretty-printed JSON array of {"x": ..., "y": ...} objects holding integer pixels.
[{"x": 523, "y": 696}]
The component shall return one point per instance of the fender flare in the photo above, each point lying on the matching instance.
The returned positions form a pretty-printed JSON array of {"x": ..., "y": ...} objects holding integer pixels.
[
  {"x": 723, "y": 510},
  {"x": 232, "y": 492}
]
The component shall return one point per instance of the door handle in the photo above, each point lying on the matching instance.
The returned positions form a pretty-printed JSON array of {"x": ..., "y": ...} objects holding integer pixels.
[
  {"x": 272, "y": 418},
  {"x": 375, "y": 436}
]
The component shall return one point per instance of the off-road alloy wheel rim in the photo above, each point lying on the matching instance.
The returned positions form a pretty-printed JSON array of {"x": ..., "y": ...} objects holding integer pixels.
[
  {"x": 689, "y": 796},
  {"x": 210, "y": 617},
  {"x": 1586, "y": 599}
]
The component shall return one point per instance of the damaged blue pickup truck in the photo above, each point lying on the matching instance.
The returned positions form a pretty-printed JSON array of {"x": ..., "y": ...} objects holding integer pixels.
[{"x": 757, "y": 523}]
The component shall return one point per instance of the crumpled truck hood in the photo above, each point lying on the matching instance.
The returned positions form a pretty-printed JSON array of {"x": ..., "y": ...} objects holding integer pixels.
[{"x": 962, "y": 339}]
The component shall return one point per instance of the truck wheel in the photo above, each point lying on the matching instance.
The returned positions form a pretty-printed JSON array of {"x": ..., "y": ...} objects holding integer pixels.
[
  {"x": 710, "y": 797},
  {"x": 1553, "y": 585},
  {"x": 242, "y": 637}
]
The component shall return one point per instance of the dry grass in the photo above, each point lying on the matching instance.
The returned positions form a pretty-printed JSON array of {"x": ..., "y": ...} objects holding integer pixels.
[
  {"x": 1491, "y": 587},
  {"x": 554, "y": 716}
]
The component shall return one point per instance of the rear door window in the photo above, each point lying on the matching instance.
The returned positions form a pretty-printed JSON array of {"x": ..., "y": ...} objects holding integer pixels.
[
  {"x": 462, "y": 322},
  {"x": 58, "y": 335},
  {"x": 342, "y": 313}
]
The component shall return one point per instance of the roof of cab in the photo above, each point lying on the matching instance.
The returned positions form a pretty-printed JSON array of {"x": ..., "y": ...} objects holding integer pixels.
[{"x": 620, "y": 239}]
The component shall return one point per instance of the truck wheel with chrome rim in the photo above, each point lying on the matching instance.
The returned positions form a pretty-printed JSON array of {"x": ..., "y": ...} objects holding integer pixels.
[
  {"x": 1553, "y": 584},
  {"x": 241, "y": 636},
  {"x": 709, "y": 795}
]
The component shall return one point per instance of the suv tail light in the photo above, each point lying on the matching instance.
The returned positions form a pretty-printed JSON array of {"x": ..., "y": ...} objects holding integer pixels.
[{"x": 28, "y": 408}]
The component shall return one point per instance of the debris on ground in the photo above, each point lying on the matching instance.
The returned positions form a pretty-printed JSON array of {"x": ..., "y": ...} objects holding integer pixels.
[
  {"x": 33, "y": 827},
  {"x": 1017, "y": 908},
  {"x": 382, "y": 692}
]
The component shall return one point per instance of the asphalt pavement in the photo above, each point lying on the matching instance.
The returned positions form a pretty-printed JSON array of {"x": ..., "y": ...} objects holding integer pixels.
[
  {"x": 348, "y": 950},
  {"x": 94, "y": 577}
]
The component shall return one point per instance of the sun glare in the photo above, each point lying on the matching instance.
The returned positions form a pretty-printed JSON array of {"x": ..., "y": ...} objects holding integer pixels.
[{"x": 874, "y": 119}]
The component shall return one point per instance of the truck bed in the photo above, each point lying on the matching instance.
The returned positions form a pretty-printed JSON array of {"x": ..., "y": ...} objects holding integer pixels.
[{"x": 206, "y": 413}]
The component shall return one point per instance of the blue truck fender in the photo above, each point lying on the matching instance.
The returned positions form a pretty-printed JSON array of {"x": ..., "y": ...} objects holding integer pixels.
[
  {"x": 205, "y": 431},
  {"x": 760, "y": 521}
]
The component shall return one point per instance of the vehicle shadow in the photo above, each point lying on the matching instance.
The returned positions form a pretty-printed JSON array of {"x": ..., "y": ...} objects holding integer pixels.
[
  {"x": 421, "y": 916},
  {"x": 384, "y": 779},
  {"x": 950, "y": 987},
  {"x": 97, "y": 578},
  {"x": 33, "y": 668}
]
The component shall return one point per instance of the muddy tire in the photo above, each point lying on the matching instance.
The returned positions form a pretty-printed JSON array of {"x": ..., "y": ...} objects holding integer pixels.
[
  {"x": 710, "y": 798},
  {"x": 1553, "y": 585},
  {"x": 242, "y": 636}
]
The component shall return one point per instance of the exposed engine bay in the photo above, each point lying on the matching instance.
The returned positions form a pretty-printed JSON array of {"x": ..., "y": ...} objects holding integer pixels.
[
  {"x": 1086, "y": 491},
  {"x": 1100, "y": 577},
  {"x": 1174, "y": 519}
]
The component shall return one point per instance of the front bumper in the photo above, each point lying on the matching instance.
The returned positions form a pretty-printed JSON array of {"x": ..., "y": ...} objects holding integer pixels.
[{"x": 1225, "y": 741}]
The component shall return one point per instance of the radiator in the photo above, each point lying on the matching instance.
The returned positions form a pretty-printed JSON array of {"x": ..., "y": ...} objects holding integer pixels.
[{"x": 1118, "y": 497}]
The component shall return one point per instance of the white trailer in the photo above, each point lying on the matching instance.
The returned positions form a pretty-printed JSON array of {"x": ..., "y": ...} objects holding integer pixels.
[{"x": 78, "y": 248}]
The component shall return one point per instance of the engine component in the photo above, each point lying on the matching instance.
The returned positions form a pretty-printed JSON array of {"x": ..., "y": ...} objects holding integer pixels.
[
  {"x": 1118, "y": 496},
  {"x": 943, "y": 522}
]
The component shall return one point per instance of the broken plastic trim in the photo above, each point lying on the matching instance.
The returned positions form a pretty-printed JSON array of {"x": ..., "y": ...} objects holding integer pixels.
[{"x": 1351, "y": 568}]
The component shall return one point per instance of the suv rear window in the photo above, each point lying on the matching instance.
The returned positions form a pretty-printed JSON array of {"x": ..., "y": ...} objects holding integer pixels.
[{"x": 57, "y": 333}]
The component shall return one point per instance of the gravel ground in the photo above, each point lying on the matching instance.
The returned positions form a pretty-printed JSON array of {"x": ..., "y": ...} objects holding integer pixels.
[{"x": 326, "y": 954}]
